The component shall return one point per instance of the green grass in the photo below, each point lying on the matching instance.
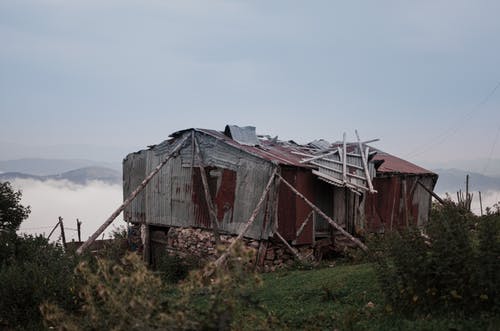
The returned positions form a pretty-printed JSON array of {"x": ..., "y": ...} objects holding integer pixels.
[{"x": 339, "y": 297}]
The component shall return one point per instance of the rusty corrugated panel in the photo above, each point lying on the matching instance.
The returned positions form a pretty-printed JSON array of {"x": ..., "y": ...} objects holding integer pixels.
[
  {"x": 286, "y": 206},
  {"x": 385, "y": 210},
  {"x": 305, "y": 183},
  {"x": 244, "y": 135},
  {"x": 175, "y": 197},
  {"x": 394, "y": 165}
]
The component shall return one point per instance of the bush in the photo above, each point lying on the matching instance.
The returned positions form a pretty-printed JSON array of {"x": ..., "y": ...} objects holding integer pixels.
[
  {"x": 173, "y": 268},
  {"x": 32, "y": 271},
  {"x": 449, "y": 267},
  {"x": 129, "y": 296}
]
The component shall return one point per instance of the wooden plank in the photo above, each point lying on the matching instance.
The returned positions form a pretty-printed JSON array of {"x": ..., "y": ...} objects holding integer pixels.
[
  {"x": 365, "y": 164},
  {"x": 304, "y": 223},
  {"x": 337, "y": 170},
  {"x": 130, "y": 198},
  {"x": 328, "y": 218},
  {"x": 319, "y": 157},
  {"x": 221, "y": 260},
  {"x": 434, "y": 195},
  {"x": 335, "y": 180}
]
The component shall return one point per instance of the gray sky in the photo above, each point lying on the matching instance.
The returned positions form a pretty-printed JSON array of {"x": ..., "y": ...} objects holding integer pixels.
[{"x": 120, "y": 75}]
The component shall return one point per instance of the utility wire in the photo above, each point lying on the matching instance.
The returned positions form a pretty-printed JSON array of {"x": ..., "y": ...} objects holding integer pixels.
[{"x": 441, "y": 138}]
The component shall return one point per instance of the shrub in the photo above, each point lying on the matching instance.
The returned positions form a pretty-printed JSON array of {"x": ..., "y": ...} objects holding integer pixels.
[
  {"x": 33, "y": 271},
  {"x": 446, "y": 268},
  {"x": 129, "y": 296},
  {"x": 174, "y": 268}
]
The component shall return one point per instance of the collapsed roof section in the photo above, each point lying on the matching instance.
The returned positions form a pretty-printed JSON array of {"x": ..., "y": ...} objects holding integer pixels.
[{"x": 343, "y": 164}]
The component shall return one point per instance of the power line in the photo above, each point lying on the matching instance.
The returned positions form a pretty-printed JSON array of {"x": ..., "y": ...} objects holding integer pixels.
[{"x": 441, "y": 138}]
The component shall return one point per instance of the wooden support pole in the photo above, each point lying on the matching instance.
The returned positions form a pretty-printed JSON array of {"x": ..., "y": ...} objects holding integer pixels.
[
  {"x": 53, "y": 229},
  {"x": 481, "y": 203},
  {"x": 131, "y": 197},
  {"x": 290, "y": 248},
  {"x": 303, "y": 225},
  {"x": 434, "y": 195},
  {"x": 78, "y": 228},
  {"x": 328, "y": 218},
  {"x": 63, "y": 235},
  {"x": 208, "y": 198},
  {"x": 146, "y": 250},
  {"x": 250, "y": 221},
  {"x": 365, "y": 164}
]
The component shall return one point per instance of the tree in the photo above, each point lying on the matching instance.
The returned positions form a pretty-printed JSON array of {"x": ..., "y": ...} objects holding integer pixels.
[{"x": 12, "y": 213}]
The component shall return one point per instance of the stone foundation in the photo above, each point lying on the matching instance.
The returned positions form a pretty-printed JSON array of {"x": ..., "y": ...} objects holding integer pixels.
[{"x": 270, "y": 254}]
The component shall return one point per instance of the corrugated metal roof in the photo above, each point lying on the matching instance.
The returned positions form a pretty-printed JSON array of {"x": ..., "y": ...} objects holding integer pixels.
[
  {"x": 392, "y": 165},
  {"x": 245, "y": 135},
  {"x": 277, "y": 152}
]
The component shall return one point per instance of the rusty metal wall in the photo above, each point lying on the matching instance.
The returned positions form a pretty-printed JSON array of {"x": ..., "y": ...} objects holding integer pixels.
[
  {"x": 134, "y": 172},
  {"x": 399, "y": 203},
  {"x": 175, "y": 196}
]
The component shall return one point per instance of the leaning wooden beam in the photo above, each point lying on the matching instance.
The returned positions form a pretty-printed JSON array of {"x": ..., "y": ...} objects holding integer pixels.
[
  {"x": 431, "y": 193},
  {"x": 53, "y": 229},
  {"x": 299, "y": 231},
  {"x": 208, "y": 196},
  {"x": 130, "y": 198},
  {"x": 290, "y": 248},
  {"x": 223, "y": 257},
  {"x": 328, "y": 218},
  {"x": 365, "y": 164},
  {"x": 319, "y": 156}
]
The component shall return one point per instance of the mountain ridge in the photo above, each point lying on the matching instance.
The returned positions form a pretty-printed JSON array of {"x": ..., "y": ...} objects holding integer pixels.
[{"x": 78, "y": 176}]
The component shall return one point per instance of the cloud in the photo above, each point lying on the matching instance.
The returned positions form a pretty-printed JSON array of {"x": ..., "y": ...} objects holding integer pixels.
[{"x": 92, "y": 204}]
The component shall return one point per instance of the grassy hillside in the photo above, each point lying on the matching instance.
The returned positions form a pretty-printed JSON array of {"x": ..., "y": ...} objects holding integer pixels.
[{"x": 345, "y": 297}]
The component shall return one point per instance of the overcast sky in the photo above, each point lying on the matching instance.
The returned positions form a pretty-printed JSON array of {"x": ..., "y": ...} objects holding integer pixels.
[{"x": 119, "y": 75}]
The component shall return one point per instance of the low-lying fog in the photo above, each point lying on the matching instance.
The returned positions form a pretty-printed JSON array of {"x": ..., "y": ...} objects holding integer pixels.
[{"x": 92, "y": 204}]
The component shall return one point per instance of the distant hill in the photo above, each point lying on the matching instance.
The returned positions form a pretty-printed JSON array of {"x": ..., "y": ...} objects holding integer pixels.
[
  {"x": 452, "y": 180},
  {"x": 78, "y": 176},
  {"x": 47, "y": 167},
  {"x": 488, "y": 167}
]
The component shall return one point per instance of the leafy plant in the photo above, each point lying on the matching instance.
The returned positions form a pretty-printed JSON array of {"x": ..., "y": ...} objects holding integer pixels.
[{"x": 448, "y": 266}]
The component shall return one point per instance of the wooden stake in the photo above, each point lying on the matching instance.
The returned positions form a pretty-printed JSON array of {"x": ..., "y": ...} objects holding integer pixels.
[
  {"x": 224, "y": 256},
  {"x": 63, "y": 235},
  {"x": 319, "y": 211},
  {"x": 131, "y": 197},
  {"x": 78, "y": 228},
  {"x": 480, "y": 203},
  {"x": 146, "y": 251},
  {"x": 365, "y": 164},
  {"x": 53, "y": 229},
  {"x": 290, "y": 248}
]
